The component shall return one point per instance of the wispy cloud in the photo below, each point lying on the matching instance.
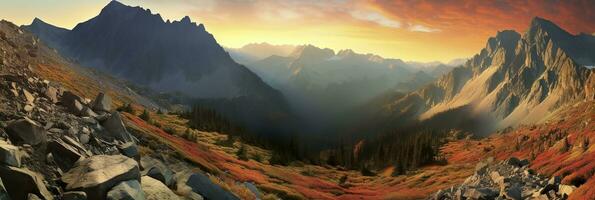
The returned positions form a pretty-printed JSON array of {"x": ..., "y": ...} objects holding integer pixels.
[
  {"x": 422, "y": 28},
  {"x": 375, "y": 17}
]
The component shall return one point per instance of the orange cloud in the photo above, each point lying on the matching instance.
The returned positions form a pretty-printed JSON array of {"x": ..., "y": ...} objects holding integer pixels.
[{"x": 472, "y": 17}]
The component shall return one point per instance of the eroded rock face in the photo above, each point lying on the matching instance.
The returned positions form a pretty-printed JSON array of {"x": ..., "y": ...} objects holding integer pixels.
[
  {"x": 20, "y": 182},
  {"x": 96, "y": 175},
  {"x": 26, "y": 131},
  {"x": 509, "y": 179}
]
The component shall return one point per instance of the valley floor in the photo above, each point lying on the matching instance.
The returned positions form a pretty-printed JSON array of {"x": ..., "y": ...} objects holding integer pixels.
[{"x": 556, "y": 148}]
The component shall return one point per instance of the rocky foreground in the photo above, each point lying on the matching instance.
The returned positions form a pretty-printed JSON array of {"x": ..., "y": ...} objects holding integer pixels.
[
  {"x": 55, "y": 144},
  {"x": 509, "y": 179}
]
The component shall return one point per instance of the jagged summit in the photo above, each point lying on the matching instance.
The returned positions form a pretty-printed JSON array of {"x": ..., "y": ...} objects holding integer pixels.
[
  {"x": 186, "y": 20},
  {"x": 116, "y": 11},
  {"x": 115, "y": 6},
  {"x": 517, "y": 79}
]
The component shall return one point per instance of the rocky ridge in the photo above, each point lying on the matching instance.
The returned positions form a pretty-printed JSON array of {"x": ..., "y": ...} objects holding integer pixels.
[
  {"x": 508, "y": 179},
  {"x": 518, "y": 79}
]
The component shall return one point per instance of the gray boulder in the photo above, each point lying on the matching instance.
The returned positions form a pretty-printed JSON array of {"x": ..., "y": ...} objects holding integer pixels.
[
  {"x": 157, "y": 170},
  {"x": 87, "y": 112},
  {"x": 201, "y": 184},
  {"x": 96, "y": 175},
  {"x": 164, "y": 175},
  {"x": 74, "y": 195},
  {"x": 513, "y": 192},
  {"x": 116, "y": 129},
  {"x": 9, "y": 154},
  {"x": 64, "y": 154},
  {"x": 126, "y": 190},
  {"x": 156, "y": 190},
  {"x": 102, "y": 103},
  {"x": 52, "y": 94},
  {"x": 21, "y": 182},
  {"x": 26, "y": 131},
  {"x": 130, "y": 150}
]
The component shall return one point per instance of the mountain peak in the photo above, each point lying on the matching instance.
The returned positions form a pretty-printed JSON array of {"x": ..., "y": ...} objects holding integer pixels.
[
  {"x": 346, "y": 52},
  {"x": 543, "y": 25},
  {"x": 186, "y": 20},
  {"x": 308, "y": 51},
  {"x": 114, "y": 4},
  {"x": 37, "y": 21},
  {"x": 538, "y": 21}
]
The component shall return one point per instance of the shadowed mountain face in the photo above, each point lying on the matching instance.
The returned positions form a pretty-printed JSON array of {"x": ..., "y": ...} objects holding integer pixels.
[
  {"x": 516, "y": 79},
  {"x": 173, "y": 57}
]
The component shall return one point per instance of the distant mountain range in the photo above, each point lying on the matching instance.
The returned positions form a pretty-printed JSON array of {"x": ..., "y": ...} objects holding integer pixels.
[
  {"x": 257, "y": 51},
  {"x": 516, "y": 79},
  {"x": 322, "y": 85},
  {"x": 178, "y": 57}
]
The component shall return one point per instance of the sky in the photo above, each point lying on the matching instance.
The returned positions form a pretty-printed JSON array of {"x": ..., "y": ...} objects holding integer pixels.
[{"x": 424, "y": 31}]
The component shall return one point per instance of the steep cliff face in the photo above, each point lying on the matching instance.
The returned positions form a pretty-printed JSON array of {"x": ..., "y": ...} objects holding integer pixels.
[{"x": 516, "y": 79}]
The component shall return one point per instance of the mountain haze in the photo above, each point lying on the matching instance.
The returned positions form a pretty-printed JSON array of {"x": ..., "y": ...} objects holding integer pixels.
[
  {"x": 322, "y": 85},
  {"x": 257, "y": 51}
]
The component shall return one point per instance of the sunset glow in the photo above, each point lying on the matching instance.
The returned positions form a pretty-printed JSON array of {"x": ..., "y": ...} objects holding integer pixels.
[{"x": 410, "y": 30}]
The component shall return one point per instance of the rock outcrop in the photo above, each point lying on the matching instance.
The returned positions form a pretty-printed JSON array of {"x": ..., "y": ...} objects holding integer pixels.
[{"x": 509, "y": 179}]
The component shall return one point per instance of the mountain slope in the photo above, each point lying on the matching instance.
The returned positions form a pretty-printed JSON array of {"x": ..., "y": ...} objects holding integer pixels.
[
  {"x": 516, "y": 79},
  {"x": 173, "y": 57}
]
